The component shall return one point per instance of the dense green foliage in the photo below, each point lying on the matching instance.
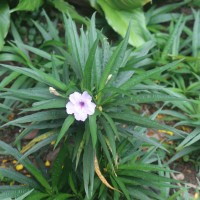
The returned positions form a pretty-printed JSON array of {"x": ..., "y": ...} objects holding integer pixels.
[{"x": 109, "y": 155}]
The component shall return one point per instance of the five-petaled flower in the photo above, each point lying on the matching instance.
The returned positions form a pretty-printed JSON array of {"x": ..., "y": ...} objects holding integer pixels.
[{"x": 80, "y": 105}]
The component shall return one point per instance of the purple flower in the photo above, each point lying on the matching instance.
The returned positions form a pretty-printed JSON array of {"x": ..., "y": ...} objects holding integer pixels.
[{"x": 80, "y": 105}]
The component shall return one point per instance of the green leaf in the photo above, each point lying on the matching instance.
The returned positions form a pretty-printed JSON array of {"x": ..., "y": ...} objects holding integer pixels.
[
  {"x": 144, "y": 122},
  {"x": 193, "y": 137},
  {"x": 37, "y": 195},
  {"x": 56, "y": 170},
  {"x": 139, "y": 78},
  {"x": 88, "y": 169},
  {"x": 67, "y": 123},
  {"x": 28, "y": 5},
  {"x": 62, "y": 196},
  {"x": 74, "y": 48},
  {"x": 93, "y": 129},
  {"x": 195, "y": 35},
  {"x": 47, "y": 104},
  {"x": 36, "y": 93},
  {"x": 105, "y": 148},
  {"x": 110, "y": 137},
  {"x": 141, "y": 167},
  {"x": 38, "y": 75},
  {"x": 4, "y": 21},
  {"x": 25, "y": 195},
  {"x": 145, "y": 176},
  {"x": 65, "y": 7},
  {"x": 13, "y": 175},
  {"x": 13, "y": 192},
  {"x": 183, "y": 152},
  {"x": 112, "y": 124},
  {"x": 114, "y": 62},
  {"x": 38, "y": 117},
  {"x": 38, "y": 146},
  {"x": 52, "y": 29},
  {"x": 171, "y": 38},
  {"x": 8, "y": 150},
  {"x": 128, "y": 4},
  {"x": 122, "y": 187},
  {"x": 88, "y": 70},
  {"x": 139, "y": 33},
  {"x": 43, "y": 32},
  {"x": 147, "y": 98}
]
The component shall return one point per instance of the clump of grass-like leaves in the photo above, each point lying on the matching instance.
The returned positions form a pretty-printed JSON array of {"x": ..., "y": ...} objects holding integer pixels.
[{"x": 99, "y": 158}]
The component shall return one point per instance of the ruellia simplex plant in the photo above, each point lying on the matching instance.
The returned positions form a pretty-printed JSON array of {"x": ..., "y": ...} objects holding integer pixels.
[{"x": 81, "y": 97}]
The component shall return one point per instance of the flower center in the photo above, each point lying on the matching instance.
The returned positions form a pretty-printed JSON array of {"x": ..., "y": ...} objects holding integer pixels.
[{"x": 81, "y": 103}]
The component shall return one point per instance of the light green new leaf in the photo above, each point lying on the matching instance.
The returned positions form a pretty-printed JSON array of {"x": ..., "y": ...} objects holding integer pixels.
[
  {"x": 4, "y": 21},
  {"x": 120, "y": 19},
  {"x": 28, "y": 5}
]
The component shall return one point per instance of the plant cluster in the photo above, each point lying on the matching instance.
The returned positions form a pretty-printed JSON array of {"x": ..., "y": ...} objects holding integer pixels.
[{"x": 84, "y": 97}]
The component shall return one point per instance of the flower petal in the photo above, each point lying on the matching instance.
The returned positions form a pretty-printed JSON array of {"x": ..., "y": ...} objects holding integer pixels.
[
  {"x": 70, "y": 108},
  {"x": 75, "y": 97},
  {"x": 86, "y": 96},
  {"x": 81, "y": 116},
  {"x": 90, "y": 108}
]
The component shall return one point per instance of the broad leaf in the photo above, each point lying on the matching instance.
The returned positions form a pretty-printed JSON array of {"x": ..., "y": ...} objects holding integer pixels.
[
  {"x": 28, "y": 5},
  {"x": 119, "y": 20}
]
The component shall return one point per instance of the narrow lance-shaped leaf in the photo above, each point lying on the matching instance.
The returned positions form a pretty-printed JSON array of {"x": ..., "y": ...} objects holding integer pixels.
[
  {"x": 25, "y": 195},
  {"x": 37, "y": 117},
  {"x": 93, "y": 129},
  {"x": 56, "y": 170},
  {"x": 16, "y": 176},
  {"x": 88, "y": 169},
  {"x": 148, "y": 98},
  {"x": 87, "y": 77},
  {"x": 139, "y": 78},
  {"x": 114, "y": 62},
  {"x": 38, "y": 75},
  {"x": 67, "y": 123},
  {"x": 8, "y": 79},
  {"x": 195, "y": 36},
  {"x": 4, "y": 21},
  {"x": 8, "y": 150},
  {"x": 35, "y": 140},
  {"x": 144, "y": 121},
  {"x": 39, "y": 146}
]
